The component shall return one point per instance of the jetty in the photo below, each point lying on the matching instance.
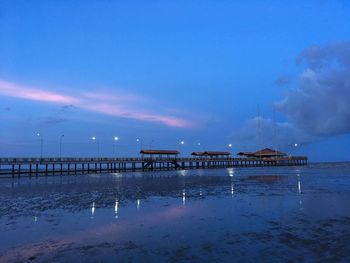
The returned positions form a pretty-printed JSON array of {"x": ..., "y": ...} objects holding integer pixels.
[{"x": 150, "y": 160}]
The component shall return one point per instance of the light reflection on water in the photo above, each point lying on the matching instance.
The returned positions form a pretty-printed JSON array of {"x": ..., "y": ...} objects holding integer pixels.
[
  {"x": 93, "y": 210},
  {"x": 232, "y": 212},
  {"x": 231, "y": 171},
  {"x": 232, "y": 189},
  {"x": 116, "y": 209},
  {"x": 184, "y": 197}
]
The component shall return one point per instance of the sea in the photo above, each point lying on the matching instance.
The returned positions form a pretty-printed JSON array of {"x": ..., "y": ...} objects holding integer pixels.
[{"x": 262, "y": 214}]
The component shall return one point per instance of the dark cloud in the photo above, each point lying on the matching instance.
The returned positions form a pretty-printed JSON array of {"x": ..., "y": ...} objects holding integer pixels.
[
  {"x": 318, "y": 108},
  {"x": 6, "y": 108},
  {"x": 282, "y": 81},
  {"x": 317, "y": 57},
  {"x": 68, "y": 108},
  {"x": 51, "y": 121},
  {"x": 320, "y": 104}
]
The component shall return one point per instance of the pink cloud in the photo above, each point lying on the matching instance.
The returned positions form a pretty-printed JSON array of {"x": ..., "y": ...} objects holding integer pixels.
[
  {"x": 135, "y": 114},
  {"x": 23, "y": 92},
  {"x": 106, "y": 95},
  {"x": 99, "y": 102}
]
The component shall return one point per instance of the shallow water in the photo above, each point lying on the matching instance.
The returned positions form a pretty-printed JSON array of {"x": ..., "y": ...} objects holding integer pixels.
[{"x": 247, "y": 215}]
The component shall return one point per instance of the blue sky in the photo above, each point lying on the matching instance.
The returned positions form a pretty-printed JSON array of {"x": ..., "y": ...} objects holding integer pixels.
[{"x": 166, "y": 71}]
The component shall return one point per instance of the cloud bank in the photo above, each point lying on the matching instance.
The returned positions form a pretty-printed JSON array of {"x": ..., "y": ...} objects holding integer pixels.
[
  {"x": 119, "y": 104},
  {"x": 320, "y": 105},
  {"x": 316, "y": 109}
]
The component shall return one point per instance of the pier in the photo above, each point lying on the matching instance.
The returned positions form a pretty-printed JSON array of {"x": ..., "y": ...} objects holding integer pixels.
[{"x": 17, "y": 167}]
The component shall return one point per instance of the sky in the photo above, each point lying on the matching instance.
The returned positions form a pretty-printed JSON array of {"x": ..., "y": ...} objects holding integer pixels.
[{"x": 252, "y": 74}]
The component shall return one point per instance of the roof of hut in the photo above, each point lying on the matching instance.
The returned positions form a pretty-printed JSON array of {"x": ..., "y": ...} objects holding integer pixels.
[
  {"x": 268, "y": 152},
  {"x": 216, "y": 153},
  {"x": 159, "y": 152}
]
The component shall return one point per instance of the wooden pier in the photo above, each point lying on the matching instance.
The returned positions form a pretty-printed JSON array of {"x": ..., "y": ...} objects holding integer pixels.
[{"x": 17, "y": 167}]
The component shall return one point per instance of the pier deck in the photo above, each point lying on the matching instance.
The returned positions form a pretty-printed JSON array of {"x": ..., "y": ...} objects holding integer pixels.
[{"x": 73, "y": 166}]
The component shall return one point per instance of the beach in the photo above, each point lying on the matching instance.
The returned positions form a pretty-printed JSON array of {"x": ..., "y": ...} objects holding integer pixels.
[{"x": 270, "y": 214}]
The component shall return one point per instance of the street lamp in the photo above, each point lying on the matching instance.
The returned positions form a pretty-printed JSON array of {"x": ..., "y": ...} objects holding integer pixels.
[
  {"x": 61, "y": 138},
  {"x": 98, "y": 146},
  {"x": 182, "y": 144},
  {"x": 41, "y": 144},
  {"x": 138, "y": 140},
  {"x": 115, "y": 140},
  {"x": 229, "y": 147},
  {"x": 296, "y": 145}
]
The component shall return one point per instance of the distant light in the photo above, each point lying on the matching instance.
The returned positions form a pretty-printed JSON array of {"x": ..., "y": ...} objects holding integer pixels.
[
  {"x": 183, "y": 172},
  {"x": 295, "y": 145},
  {"x": 182, "y": 142},
  {"x": 116, "y": 208},
  {"x": 93, "y": 210},
  {"x": 137, "y": 140},
  {"x": 230, "y": 171},
  {"x": 230, "y": 145},
  {"x": 183, "y": 197},
  {"x": 38, "y": 134},
  {"x": 93, "y": 138},
  {"x": 199, "y": 144},
  {"x": 116, "y": 138}
]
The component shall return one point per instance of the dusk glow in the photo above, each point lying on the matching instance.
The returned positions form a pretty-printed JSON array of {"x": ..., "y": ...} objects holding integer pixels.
[
  {"x": 175, "y": 131},
  {"x": 97, "y": 102},
  {"x": 238, "y": 73}
]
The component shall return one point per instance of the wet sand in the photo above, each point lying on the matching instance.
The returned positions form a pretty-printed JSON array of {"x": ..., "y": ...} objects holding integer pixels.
[{"x": 295, "y": 214}]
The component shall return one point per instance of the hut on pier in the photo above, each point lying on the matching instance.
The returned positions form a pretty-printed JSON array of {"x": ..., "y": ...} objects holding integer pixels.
[
  {"x": 264, "y": 153},
  {"x": 246, "y": 154},
  {"x": 169, "y": 154}
]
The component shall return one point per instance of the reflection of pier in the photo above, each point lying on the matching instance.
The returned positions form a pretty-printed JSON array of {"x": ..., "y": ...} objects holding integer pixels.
[{"x": 72, "y": 166}]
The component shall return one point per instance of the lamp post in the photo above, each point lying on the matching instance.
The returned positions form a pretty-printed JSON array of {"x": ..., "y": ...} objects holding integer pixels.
[
  {"x": 139, "y": 141},
  {"x": 41, "y": 144},
  {"x": 114, "y": 142},
  {"x": 61, "y": 138},
  {"x": 229, "y": 147},
  {"x": 182, "y": 143},
  {"x": 295, "y": 146},
  {"x": 98, "y": 146}
]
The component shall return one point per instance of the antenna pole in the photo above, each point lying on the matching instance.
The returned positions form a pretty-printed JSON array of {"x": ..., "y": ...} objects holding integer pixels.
[
  {"x": 259, "y": 128},
  {"x": 274, "y": 128}
]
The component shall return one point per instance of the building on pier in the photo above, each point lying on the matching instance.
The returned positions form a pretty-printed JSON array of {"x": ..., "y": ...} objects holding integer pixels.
[
  {"x": 159, "y": 153},
  {"x": 264, "y": 153}
]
